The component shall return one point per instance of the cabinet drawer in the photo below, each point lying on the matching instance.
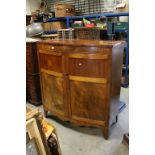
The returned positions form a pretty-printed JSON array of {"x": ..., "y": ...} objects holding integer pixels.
[
  {"x": 50, "y": 48},
  {"x": 50, "y": 62},
  {"x": 89, "y": 65}
]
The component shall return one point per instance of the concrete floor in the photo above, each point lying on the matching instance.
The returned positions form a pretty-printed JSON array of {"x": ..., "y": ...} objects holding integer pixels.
[{"x": 89, "y": 141}]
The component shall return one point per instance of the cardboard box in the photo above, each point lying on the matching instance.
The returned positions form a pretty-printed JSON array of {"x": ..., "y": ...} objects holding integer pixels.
[{"x": 123, "y": 7}]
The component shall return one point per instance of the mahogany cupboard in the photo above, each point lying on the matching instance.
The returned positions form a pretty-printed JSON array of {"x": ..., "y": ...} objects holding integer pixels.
[{"x": 80, "y": 80}]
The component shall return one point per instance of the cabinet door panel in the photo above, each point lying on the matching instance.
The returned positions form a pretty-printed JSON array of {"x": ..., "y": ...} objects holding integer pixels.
[
  {"x": 53, "y": 93},
  {"x": 88, "y": 100}
]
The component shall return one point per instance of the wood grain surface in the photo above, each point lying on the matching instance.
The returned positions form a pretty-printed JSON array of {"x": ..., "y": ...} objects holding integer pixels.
[{"x": 80, "y": 80}]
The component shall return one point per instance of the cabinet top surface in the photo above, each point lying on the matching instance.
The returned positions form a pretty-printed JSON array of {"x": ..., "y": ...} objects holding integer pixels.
[{"x": 82, "y": 42}]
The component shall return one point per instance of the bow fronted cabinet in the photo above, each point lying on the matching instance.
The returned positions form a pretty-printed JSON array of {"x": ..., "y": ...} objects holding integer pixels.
[{"x": 81, "y": 80}]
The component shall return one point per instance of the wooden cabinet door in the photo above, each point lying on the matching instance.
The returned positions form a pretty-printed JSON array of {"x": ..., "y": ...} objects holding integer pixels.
[
  {"x": 53, "y": 94},
  {"x": 88, "y": 76},
  {"x": 53, "y": 83}
]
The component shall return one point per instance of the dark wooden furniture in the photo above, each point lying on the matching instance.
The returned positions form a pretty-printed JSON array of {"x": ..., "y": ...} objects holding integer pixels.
[
  {"x": 33, "y": 92},
  {"x": 80, "y": 80},
  {"x": 28, "y": 19}
]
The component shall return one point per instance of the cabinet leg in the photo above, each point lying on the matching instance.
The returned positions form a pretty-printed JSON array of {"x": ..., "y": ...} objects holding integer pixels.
[
  {"x": 106, "y": 133},
  {"x": 45, "y": 113}
]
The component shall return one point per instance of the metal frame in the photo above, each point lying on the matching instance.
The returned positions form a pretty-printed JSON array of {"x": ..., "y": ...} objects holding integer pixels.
[{"x": 68, "y": 18}]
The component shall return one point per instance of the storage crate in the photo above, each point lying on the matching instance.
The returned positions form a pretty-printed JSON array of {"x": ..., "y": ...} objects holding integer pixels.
[
  {"x": 64, "y": 9},
  {"x": 92, "y": 33},
  {"x": 66, "y": 34},
  {"x": 114, "y": 26},
  {"x": 121, "y": 25},
  {"x": 48, "y": 26},
  {"x": 57, "y": 25}
]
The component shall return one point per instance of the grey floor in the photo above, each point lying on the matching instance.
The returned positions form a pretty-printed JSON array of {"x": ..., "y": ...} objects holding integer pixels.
[{"x": 89, "y": 141}]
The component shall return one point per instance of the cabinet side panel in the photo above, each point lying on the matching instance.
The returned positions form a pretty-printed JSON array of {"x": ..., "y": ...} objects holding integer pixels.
[
  {"x": 31, "y": 58},
  {"x": 32, "y": 74},
  {"x": 117, "y": 60}
]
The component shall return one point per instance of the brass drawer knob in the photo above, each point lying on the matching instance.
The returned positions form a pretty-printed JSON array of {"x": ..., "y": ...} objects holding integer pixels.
[
  {"x": 80, "y": 64},
  {"x": 52, "y": 48}
]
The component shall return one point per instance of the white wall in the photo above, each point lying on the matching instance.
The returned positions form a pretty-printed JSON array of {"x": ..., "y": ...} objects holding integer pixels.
[{"x": 32, "y": 5}]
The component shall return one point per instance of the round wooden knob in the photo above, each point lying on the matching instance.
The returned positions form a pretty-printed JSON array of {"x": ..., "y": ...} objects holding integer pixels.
[
  {"x": 80, "y": 64},
  {"x": 52, "y": 47}
]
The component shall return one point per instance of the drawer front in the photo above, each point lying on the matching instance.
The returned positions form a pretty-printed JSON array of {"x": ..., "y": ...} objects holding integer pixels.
[
  {"x": 50, "y": 62},
  {"x": 89, "y": 65},
  {"x": 50, "y": 47},
  {"x": 70, "y": 49}
]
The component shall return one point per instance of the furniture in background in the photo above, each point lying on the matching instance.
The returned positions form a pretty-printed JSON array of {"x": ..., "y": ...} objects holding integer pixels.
[
  {"x": 28, "y": 19},
  {"x": 34, "y": 132},
  {"x": 81, "y": 80},
  {"x": 33, "y": 92},
  {"x": 44, "y": 133}
]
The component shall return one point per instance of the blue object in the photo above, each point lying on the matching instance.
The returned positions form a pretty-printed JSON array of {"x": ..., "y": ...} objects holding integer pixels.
[
  {"x": 50, "y": 32},
  {"x": 121, "y": 106}
]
